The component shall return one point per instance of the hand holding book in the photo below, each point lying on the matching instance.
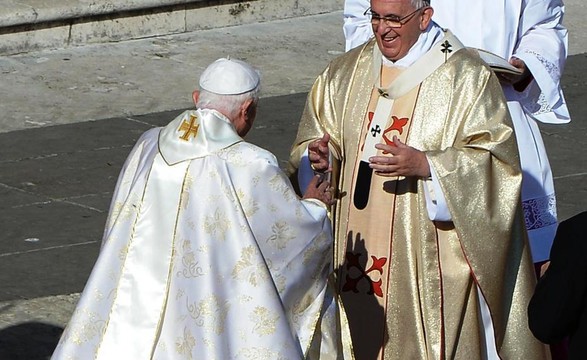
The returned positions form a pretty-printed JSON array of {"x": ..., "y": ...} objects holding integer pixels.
[
  {"x": 514, "y": 71},
  {"x": 496, "y": 62}
]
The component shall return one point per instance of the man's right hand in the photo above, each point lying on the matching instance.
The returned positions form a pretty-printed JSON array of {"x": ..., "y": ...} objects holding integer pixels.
[
  {"x": 319, "y": 154},
  {"x": 318, "y": 188}
]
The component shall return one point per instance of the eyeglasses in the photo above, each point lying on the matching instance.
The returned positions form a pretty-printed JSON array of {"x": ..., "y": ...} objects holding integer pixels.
[{"x": 390, "y": 21}]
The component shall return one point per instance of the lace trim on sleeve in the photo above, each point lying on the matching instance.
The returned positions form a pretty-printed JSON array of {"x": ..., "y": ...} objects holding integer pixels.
[{"x": 540, "y": 212}]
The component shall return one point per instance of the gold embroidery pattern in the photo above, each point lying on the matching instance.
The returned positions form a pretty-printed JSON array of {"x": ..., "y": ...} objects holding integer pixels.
[
  {"x": 248, "y": 203},
  {"x": 191, "y": 268},
  {"x": 280, "y": 282},
  {"x": 300, "y": 307},
  {"x": 278, "y": 277},
  {"x": 260, "y": 354},
  {"x": 85, "y": 326},
  {"x": 300, "y": 213},
  {"x": 122, "y": 212},
  {"x": 279, "y": 184},
  {"x": 209, "y": 313},
  {"x": 235, "y": 155},
  {"x": 247, "y": 268},
  {"x": 116, "y": 209},
  {"x": 282, "y": 234},
  {"x": 217, "y": 224},
  {"x": 243, "y": 299},
  {"x": 185, "y": 194},
  {"x": 123, "y": 252},
  {"x": 310, "y": 253},
  {"x": 184, "y": 345},
  {"x": 265, "y": 321},
  {"x": 213, "y": 174}
]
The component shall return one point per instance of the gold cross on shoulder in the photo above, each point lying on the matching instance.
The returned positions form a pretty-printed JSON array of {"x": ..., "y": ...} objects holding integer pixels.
[{"x": 190, "y": 129}]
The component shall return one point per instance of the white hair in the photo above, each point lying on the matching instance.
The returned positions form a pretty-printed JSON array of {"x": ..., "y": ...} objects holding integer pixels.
[
  {"x": 418, "y": 4},
  {"x": 229, "y": 105}
]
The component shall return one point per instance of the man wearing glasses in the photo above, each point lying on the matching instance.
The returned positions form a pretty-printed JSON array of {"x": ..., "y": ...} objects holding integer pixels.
[
  {"x": 531, "y": 35},
  {"x": 430, "y": 250}
]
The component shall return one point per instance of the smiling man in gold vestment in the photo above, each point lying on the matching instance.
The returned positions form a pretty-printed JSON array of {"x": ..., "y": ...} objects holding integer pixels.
[{"x": 430, "y": 247}]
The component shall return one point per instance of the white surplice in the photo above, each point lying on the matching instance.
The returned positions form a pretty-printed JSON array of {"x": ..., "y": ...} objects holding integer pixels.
[
  {"x": 357, "y": 27},
  {"x": 531, "y": 30},
  {"x": 207, "y": 254}
]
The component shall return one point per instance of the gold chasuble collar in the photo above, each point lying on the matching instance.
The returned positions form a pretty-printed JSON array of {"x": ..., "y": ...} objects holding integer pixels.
[{"x": 194, "y": 134}]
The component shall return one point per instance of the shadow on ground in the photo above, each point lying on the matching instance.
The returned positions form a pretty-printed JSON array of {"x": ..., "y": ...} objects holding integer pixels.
[{"x": 29, "y": 341}]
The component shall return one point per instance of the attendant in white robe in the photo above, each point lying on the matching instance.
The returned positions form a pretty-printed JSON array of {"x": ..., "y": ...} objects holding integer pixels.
[
  {"x": 531, "y": 34},
  {"x": 208, "y": 253}
]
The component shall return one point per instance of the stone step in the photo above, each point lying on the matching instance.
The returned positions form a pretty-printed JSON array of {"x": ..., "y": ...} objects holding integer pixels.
[{"x": 31, "y": 25}]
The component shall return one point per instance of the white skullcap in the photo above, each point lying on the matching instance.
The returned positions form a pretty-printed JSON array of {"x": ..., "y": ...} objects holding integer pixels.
[{"x": 229, "y": 77}]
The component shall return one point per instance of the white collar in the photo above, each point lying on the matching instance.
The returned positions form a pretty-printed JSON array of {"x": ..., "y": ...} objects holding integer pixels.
[
  {"x": 426, "y": 41},
  {"x": 209, "y": 131}
]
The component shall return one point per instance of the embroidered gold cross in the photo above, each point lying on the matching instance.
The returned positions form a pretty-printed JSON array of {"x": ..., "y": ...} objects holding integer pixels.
[{"x": 190, "y": 129}]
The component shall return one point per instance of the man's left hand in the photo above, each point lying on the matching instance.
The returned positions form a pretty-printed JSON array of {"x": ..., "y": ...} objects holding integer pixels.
[{"x": 406, "y": 160}]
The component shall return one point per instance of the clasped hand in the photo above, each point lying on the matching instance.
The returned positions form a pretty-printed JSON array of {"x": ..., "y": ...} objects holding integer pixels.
[{"x": 320, "y": 189}]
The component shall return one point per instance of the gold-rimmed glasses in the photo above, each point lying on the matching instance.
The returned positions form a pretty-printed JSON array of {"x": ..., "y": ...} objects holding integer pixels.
[{"x": 390, "y": 21}]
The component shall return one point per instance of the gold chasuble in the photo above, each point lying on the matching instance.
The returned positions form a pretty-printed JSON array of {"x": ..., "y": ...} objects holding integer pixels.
[{"x": 411, "y": 286}]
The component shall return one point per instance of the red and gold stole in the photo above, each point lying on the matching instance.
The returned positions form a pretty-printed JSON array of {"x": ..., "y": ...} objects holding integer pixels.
[{"x": 364, "y": 276}]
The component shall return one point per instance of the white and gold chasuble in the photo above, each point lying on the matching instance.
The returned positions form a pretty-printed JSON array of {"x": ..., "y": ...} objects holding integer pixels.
[
  {"x": 208, "y": 253},
  {"x": 409, "y": 284}
]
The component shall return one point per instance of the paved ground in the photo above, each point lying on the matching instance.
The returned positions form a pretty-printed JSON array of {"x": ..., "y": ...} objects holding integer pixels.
[{"x": 57, "y": 169}]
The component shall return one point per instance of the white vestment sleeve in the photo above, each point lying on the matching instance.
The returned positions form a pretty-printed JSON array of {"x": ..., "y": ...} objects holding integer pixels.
[
  {"x": 357, "y": 27},
  {"x": 435, "y": 200},
  {"x": 543, "y": 46},
  {"x": 488, "y": 330},
  {"x": 305, "y": 172}
]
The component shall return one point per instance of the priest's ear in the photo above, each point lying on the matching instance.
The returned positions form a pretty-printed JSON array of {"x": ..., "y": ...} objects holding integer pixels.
[
  {"x": 246, "y": 116},
  {"x": 426, "y": 17},
  {"x": 249, "y": 110},
  {"x": 196, "y": 96}
]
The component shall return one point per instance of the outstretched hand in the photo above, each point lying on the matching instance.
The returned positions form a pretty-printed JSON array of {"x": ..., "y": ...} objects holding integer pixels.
[
  {"x": 319, "y": 188},
  {"x": 406, "y": 160},
  {"x": 319, "y": 154}
]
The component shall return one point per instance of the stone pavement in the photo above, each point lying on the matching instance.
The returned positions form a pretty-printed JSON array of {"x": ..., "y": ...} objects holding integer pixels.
[
  {"x": 68, "y": 120},
  {"x": 69, "y": 117},
  {"x": 149, "y": 75},
  {"x": 28, "y": 25}
]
